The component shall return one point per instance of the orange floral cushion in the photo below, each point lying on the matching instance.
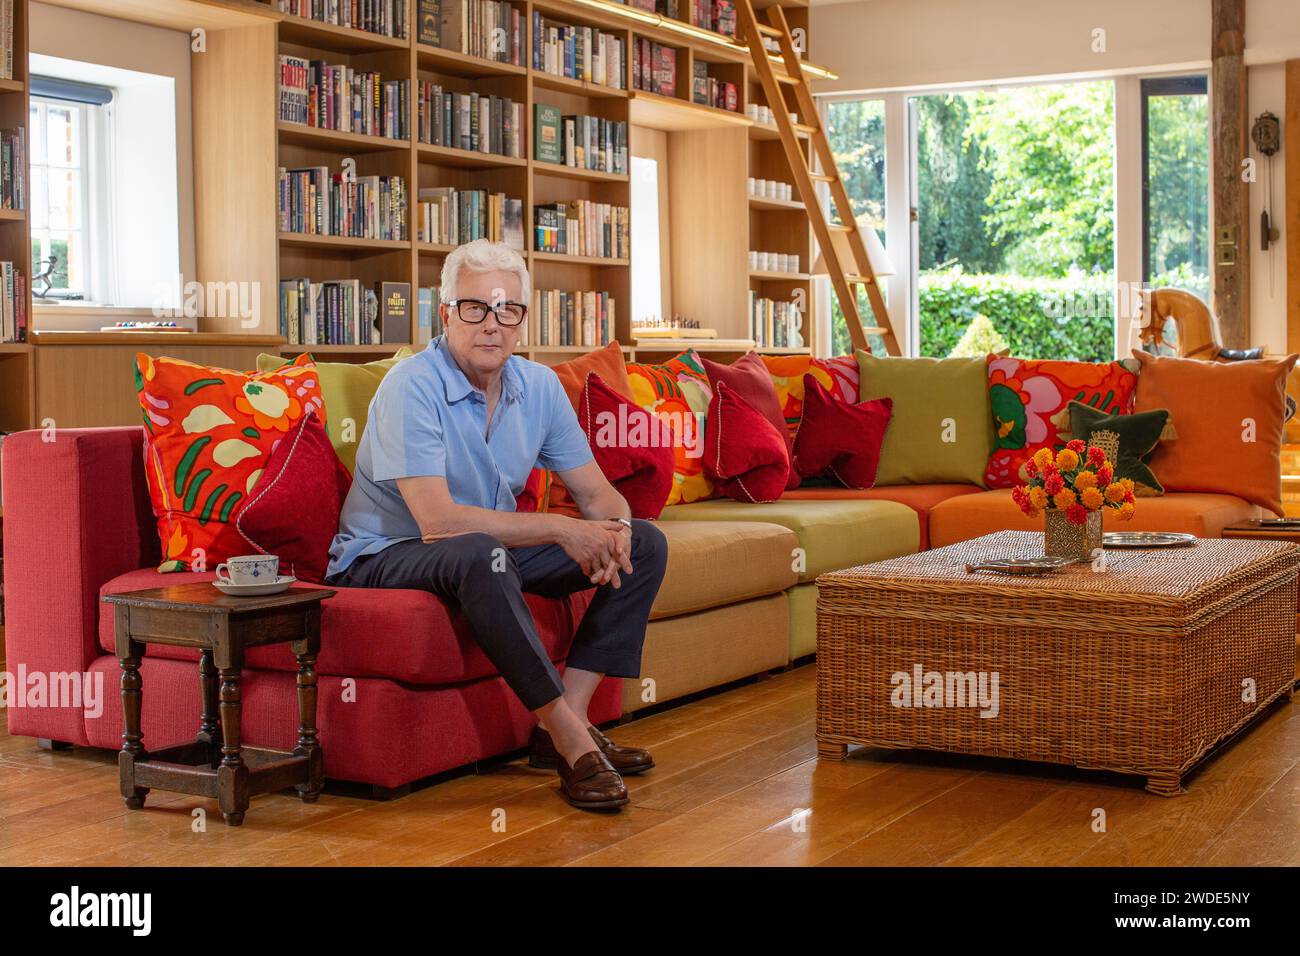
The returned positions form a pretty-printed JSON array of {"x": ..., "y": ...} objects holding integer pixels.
[
  {"x": 1030, "y": 401},
  {"x": 208, "y": 434},
  {"x": 678, "y": 393},
  {"x": 837, "y": 375}
]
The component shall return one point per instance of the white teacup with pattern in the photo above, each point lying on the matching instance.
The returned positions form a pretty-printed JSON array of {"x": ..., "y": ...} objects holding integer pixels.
[{"x": 249, "y": 569}]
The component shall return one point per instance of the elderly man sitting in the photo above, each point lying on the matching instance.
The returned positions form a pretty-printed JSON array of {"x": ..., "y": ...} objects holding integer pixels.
[{"x": 452, "y": 435}]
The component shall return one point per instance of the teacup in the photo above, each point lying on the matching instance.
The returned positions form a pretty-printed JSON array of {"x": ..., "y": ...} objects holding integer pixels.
[{"x": 249, "y": 569}]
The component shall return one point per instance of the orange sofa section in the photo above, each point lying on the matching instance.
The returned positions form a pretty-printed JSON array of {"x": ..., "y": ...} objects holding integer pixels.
[{"x": 1202, "y": 514}]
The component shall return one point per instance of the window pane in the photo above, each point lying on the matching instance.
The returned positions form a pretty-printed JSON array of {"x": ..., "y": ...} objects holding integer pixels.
[
  {"x": 647, "y": 304},
  {"x": 65, "y": 198},
  {"x": 35, "y": 131},
  {"x": 1015, "y": 206},
  {"x": 856, "y": 130},
  {"x": 40, "y": 199},
  {"x": 63, "y": 135},
  {"x": 68, "y": 271},
  {"x": 1178, "y": 192}
]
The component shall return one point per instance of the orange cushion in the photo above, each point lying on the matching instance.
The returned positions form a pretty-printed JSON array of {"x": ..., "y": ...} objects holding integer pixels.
[
  {"x": 1212, "y": 406},
  {"x": 1204, "y": 515},
  {"x": 606, "y": 362},
  {"x": 920, "y": 498},
  {"x": 209, "y": 433}
]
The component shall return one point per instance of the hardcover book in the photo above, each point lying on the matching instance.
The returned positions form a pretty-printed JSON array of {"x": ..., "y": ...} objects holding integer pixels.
[
  {"x": 394, "y": 312},
  {"x": 546, "y": 133}
]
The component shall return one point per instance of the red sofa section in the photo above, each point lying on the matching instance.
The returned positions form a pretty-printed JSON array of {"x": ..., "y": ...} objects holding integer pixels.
[{"x": 404, "y": 691}]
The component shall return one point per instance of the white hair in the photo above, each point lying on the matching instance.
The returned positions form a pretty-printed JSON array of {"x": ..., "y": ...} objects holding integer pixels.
[{"x": 482, "y": 255}]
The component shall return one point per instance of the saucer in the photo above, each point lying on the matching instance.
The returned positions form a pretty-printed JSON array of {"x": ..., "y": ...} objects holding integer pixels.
[{"x": 256, "y": 590}]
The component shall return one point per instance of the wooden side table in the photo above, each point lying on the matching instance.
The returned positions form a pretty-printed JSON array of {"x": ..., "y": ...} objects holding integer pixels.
[
  {"x": 217, "y": 764},
  {"x": 1283, "y": 529}
]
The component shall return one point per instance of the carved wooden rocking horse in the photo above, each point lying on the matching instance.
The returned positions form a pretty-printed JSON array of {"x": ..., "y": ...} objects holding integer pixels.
[{"x": 1197, "y": 328}]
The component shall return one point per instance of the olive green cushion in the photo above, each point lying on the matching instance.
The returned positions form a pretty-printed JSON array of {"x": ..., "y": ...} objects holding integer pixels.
[
  {"x": 941, "y": 429},
  {"x": 1139, "y": 434},
  {"x": 347, "y": 389},
  {"x": 833, "y": 534}
]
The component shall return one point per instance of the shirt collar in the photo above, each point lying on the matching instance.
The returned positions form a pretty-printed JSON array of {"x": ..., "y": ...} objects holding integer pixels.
[{"x": 457, "y": 387}]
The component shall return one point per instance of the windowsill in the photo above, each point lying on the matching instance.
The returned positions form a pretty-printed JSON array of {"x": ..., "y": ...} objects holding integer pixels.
[{"x": 52, "y": 307}]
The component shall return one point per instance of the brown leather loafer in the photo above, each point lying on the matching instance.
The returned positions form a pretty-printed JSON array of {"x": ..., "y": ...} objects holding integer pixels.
[
  {"x": 628, "y": 761},
  {"x": 592, "y": 783}
]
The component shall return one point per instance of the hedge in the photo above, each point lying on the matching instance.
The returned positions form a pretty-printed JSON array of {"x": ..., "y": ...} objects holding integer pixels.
[{"x": 1038, "y": 318}]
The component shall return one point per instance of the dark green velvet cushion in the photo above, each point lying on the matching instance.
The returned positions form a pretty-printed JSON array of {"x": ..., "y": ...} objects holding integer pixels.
[{"x": 1138, "y": 436}]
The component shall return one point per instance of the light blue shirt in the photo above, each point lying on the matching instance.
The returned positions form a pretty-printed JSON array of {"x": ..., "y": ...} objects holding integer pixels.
[{"x": 427, "y": 419}]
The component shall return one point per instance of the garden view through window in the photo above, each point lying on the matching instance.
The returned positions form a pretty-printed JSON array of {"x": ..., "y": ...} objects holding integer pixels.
[{"x": 1014, "y": 191}]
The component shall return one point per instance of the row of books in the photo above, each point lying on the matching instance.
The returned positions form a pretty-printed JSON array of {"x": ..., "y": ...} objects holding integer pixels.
[
  {"x": 571, "y": 318},
  {"x": 718, "y": 15},
  {"x": 492, "y": 29},
  {"x": 13, "y": 168},
  {"x": 453, "y": 216},
  {"x": 578, "y": 52},
  {"x": 581, "y": 227},
  {"x": 338, "y": 312},
  {"x": 317, "y": 202},
  {"x": 13, "y": 307},
  {"x": 654, "y": 67},
  {"x": 428, "y": 323},
  {"x": 385, "y": 17},
  {"x": 474, "y": 121},
  {"x": 585, "y": 142},
  {"x": 340, "y": 98},
  {"x": 772, "y": 324},
  {"x": 711, "y": 91},
  {"x": 7, "y": 39}
]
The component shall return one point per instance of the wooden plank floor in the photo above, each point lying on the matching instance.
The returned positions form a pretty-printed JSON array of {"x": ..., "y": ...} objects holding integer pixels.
[{"x": 737, "y": 783}]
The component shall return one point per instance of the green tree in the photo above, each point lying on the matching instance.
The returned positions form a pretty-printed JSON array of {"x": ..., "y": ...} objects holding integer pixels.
[
  {"x": 1178, "y": 133},
  {"x": 953, "y": 186},
  {"x": 1049, "y": 152}
]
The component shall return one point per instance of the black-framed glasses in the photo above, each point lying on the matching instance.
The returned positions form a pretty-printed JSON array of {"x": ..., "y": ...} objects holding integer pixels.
[{"x": 475, "y": 311}]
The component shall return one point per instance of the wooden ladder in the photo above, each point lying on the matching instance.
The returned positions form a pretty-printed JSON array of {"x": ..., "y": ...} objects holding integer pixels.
[{"x": 805, "y": 179}]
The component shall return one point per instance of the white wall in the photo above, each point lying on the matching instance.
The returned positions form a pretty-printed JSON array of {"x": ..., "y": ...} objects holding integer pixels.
[
  {"x": 883, "y": 45},
  {"x": 150, "y": 67}
]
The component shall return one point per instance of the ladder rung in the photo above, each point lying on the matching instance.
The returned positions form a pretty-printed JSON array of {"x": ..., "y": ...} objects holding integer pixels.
[
  {"x": 839, "y": 227},
  {"x": 764, "y": 29},
  {"x": 821, "y": 177},
  {"x": 854, "y": 279},
  {"x": 874, "y": 330}
]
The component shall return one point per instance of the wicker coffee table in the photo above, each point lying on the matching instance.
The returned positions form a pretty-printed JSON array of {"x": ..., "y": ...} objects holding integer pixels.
[{"x": 1141, "y": 668}]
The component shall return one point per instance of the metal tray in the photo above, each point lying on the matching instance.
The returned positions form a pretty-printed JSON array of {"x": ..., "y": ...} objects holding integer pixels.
[
  {"x": 1039, "y": 565},
  {"x": 1147, "y": 539}
]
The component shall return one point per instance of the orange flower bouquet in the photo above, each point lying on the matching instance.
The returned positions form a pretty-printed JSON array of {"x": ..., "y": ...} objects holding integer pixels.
[{"x": 1072, "y": 487}]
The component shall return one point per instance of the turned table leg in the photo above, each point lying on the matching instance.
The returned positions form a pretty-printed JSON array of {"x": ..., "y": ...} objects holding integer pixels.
[
  {"x": 232, "y": 774},
  {"x": 209, "y": 728},
  {"x": 130, "y": 653},
  {"x": 308, "y": 745}
]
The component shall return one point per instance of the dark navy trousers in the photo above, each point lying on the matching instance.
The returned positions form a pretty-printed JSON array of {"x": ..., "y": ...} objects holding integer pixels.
[{"x": 488, "y": 581}]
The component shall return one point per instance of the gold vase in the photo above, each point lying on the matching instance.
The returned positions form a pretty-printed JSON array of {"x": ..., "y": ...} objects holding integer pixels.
[{"x": 1061, "y": 539}]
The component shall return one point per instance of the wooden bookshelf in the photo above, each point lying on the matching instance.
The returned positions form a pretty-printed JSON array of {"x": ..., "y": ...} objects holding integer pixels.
[
  {"x": 239, "y": 141},
  {"x": 17, "y": 362}
]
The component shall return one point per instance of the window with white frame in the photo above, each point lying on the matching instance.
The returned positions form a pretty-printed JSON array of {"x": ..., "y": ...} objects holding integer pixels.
[{"x": 70, "y": 169}]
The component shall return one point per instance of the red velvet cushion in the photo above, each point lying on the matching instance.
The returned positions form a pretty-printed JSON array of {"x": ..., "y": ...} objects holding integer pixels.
[
  {"x": 750, "y": 379},
  {"x": 744, "y": 453},
  {"x": 536, "y": 490},
  {"x": 633, "y": 449},
  {"x": 840, "y": 438},
  {"x": 294, "y": 508}
]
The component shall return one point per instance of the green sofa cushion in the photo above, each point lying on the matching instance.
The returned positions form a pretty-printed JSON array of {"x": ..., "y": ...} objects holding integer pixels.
[
  {"x": 347, "y": 389},
  {"x": 833, "y": 534},
  {"x": 941, "y": 429}
]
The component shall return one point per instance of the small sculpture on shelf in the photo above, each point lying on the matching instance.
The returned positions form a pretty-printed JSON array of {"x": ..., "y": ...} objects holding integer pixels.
[{"x": 45, "y": 275}]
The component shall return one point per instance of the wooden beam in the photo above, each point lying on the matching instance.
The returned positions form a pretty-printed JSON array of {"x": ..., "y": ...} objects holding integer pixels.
[
  {"x": 1291, "y": 225},
  {"x": 1230, "y": 200}
]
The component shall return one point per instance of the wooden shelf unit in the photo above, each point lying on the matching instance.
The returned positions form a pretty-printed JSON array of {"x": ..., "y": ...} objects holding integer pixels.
[
  {"x": 239, "y": 141},
  {"x": 17, "y": 362}
]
